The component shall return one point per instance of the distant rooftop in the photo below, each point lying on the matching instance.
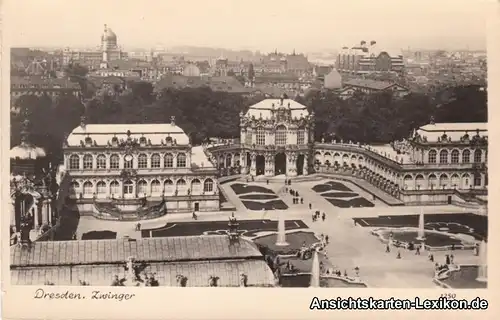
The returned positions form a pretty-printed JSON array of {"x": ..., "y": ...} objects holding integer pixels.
[
  {"x": 264, "y": 108},
  {"x": 103, "y": 133},
  {"x": 199, "y": 158}
]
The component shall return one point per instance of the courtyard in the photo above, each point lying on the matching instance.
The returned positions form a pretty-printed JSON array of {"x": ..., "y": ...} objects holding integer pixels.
[{"x": 350, "y": 245}]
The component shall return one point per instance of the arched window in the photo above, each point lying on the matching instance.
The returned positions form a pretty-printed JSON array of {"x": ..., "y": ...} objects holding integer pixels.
[
  {"x": 455, "y": 156},
  {"x": 128, "y": 187},
  {"x": 181, "y": 160},
  {"x": 478, "y": 154},
  {"x": 336, "y": 157},
  {"x": 168, "y": 185},
  {"x": 88, "y": 161},
  {"x": 465, "y": 181},
  {"x": 168, "y": 160},
  {"x": 114, "y": 188},
  {"x": 195, "y": 186},
  {"x": 142, "y": 187},
  {"x": 229, "y": 158},
  {"x": 181, "y": 186},
  {"x": 208, "y": 185},
  {"x": 155, "y": 187},
  {"x": 101, "y": 161},
  {"x": 466, "y": 156},
  {"x": 345, "y": 159},
  {"x": 74, "y": 188},
  {"x": 114, "y": 161},
  {"x": 74, "y": 162},
  {"x": 280, "y": 135},
  {"x": 419, "y": 182},
  {"x": 142, "y": 161},
  {"x": 101, "y": 188},
  {"x": 432, "y": 181},
  {"x": 128, "y": 161},
  {"x": 432, "y": 156},
  {"x": 88, "y": 188},
  {"x": 443, "y": 156},
  {"x": 260, "y": 136},
  {"x": 444, "y": 181},
  {"x": 408, "y": 182},
  {"x": 455, "y": 181},
  {"x": 155, "y": 160}
]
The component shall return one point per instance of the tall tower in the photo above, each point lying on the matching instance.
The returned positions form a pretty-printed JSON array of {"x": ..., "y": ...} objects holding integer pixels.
[{"x": 104, "y": 44}]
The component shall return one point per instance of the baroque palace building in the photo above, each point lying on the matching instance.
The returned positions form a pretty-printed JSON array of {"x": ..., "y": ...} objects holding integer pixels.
[
  {"x": 276, "y": 136},
  {"x": 439, "y": 163},
  {"x": 138, "y": 171}
]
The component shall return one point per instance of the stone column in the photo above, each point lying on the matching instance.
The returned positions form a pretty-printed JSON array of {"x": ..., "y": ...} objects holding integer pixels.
[
  {"x": 13, "y": 211},
  {"x": 292, "y": 164},
  {"x": 49, "y": 212},
  {"x": 35, "y": 216},
  {"x": 45, "y": 213},
  {"x": 305, "y": 168},
  {"x": 269, "y": 168},
  {"x": 253, "y": 166}
]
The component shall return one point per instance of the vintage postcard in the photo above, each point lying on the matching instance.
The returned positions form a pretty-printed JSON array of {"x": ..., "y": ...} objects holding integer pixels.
[{"x": 298, "y": 155}]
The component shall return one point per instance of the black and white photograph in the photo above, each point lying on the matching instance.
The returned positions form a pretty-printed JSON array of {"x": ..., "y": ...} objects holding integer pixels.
[{"x": 264, "y": 144}]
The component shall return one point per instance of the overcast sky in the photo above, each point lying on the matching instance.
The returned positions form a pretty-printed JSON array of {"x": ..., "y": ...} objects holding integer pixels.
[{"x": 306, "y": 25}]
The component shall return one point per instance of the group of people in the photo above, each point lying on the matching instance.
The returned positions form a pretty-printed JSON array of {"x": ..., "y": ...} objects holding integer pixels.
[
  {"x": 295, "y": 195},
  {"x": 317, "y": 215},
  {"x": 324, "y": 239}
]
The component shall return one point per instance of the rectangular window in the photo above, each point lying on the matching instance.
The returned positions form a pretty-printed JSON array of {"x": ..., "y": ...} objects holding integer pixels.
[{"x": 300, "y": 137}]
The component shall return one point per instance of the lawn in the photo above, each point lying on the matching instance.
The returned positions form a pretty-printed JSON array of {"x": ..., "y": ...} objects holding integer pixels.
[
  {"x": 331, "y": 186},
  {"x": 269, "y": 205},
  {"x": 466, "y": 223},
  {"x": 319, "y": 188},
  {"x": 99, "y": 235},
  {"x": 465, "y": 278},
  {"x": 431, "y": 238},
  {"x": 304, "y": 280},
  {"x": 339, "y": 195},
  {"x": 355, "y": 203},
  {"x": 240, "y": 188},
  {"x": 258, "y": 197},
  {"x": 338, "y": 186},
  {"x": 195, "y": 228}
]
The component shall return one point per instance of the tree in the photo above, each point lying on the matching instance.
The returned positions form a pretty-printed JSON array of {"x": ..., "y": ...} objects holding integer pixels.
[{"x": 251, "y": 72}]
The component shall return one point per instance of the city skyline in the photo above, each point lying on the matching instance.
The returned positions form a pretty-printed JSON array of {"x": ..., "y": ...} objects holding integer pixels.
[{"x": 262, "y": 26}]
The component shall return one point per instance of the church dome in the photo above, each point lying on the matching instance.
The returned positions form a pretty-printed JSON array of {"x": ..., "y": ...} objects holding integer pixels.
[
  {"x": 108, "y": 34},
  {"x": 26, "y": 151}
]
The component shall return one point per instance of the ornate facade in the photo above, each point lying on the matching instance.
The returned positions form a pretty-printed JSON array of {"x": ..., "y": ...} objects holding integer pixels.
[
  {"x": 106, "y": 52},
  {"x": 33, "y": 207},
  {"x": 439, "y": 163},
  {"x": 122, "y": 167},
  {"x": 276, "y": 136}
]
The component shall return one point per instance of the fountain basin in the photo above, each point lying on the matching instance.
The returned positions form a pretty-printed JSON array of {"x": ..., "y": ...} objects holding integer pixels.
[
  {"x": 303, "y": 280},
  {"x": 434, "y": 240},
  {"x": 462, "y": 277}
]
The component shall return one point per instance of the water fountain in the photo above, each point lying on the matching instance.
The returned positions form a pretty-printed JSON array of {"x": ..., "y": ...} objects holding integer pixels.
[
  {"x": 281, "y": 239},
  {"x": 315, "y": 271},
  {"x": 421, "y": 231},
  {"x": 482, "y": 272}
]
